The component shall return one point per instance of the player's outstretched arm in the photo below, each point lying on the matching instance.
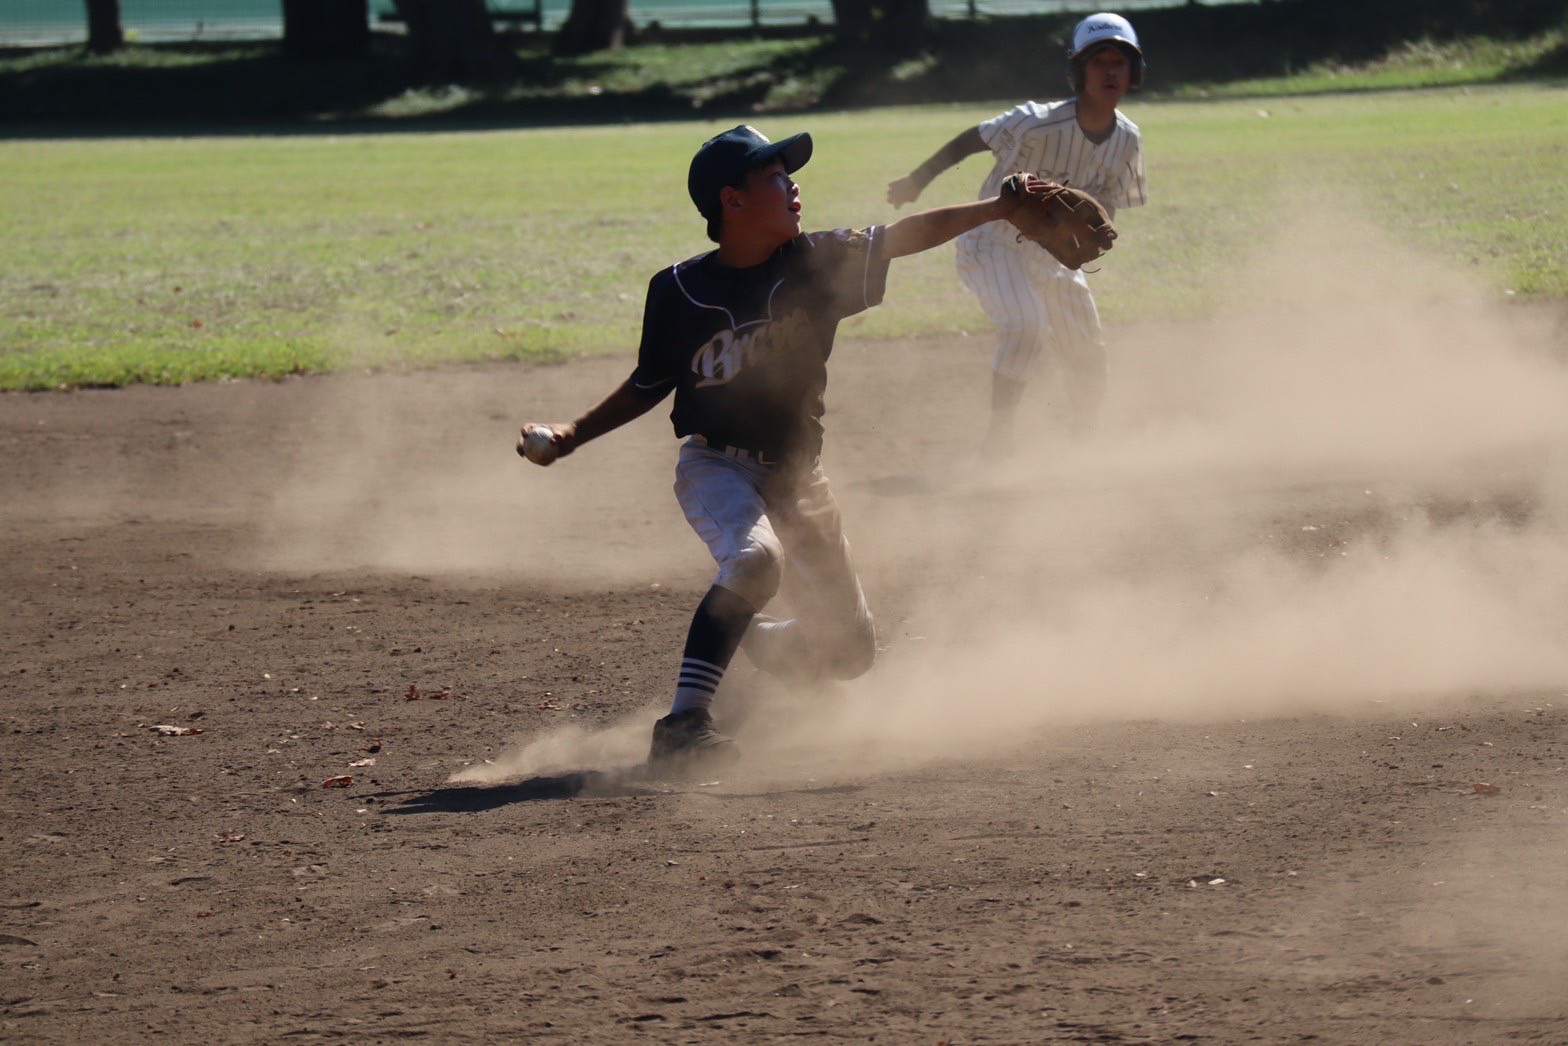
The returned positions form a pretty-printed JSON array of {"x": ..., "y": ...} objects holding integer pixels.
[
  {"x": 908, "y": 188},
  {"x": 609, "y": 414},
  {"x": 926, "y": 229}
]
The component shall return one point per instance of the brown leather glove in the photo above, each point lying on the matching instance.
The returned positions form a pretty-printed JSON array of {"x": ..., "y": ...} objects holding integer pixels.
[{"x": 1068, "y": 222}]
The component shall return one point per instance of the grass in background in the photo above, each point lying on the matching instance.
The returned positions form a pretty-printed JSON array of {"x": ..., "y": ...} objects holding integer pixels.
[
  {"x": 1421, "y": 63},
  {"x": 787, "y": 72},
  {"x": 183, "y": 259},
  {"x": 180, "y": 259}
]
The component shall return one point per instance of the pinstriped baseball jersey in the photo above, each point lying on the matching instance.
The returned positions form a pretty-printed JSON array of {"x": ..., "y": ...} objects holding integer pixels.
[
  {"x": 1040, "y": 306},
  {"x": 1046, "y": 140}
]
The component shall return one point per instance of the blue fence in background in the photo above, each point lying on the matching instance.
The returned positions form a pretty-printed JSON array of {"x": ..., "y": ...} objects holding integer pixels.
[{"x": 52, "y": 22}]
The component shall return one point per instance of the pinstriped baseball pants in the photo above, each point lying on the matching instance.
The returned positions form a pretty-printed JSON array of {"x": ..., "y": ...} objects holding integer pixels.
[{"x": 1044, "y": 314}]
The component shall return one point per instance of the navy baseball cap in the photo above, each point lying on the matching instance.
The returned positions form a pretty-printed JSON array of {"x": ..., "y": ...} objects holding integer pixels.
[{"x": 725, "y": 158}]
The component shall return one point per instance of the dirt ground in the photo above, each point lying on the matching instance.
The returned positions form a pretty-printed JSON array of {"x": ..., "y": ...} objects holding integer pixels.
[{"x": 1243, "y": 721}]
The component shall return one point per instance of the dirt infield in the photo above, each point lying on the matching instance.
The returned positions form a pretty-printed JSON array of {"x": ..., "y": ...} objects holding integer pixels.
[{"x": 1243, "y": 722}]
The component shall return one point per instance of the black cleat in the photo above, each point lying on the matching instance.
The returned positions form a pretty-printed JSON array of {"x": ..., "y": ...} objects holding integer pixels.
[{"x": 688, "y": 740}]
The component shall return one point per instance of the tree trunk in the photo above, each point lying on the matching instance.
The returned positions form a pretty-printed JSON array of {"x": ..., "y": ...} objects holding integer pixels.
[
  {"x": 887, "y": 26},
  {"x": 325, "y": 28},
  {"x": 904, "y": 23},
  {"x": 852, "y": 20},
  {"x": 907, "y": 21},
  {"x": 104, "y": 33},
  {"x": 593, "y": 25},
  {"x": 452, "y": 39}
]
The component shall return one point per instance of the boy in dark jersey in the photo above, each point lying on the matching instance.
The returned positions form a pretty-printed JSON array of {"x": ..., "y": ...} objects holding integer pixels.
[{"x": 742, "y": 336}]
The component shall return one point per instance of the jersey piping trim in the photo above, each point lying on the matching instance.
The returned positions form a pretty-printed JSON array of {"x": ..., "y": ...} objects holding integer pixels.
[
  {"x": 658, "y": 387},
  {"x": 873, "y": 246},
  {"x": 675, "y": 271}
]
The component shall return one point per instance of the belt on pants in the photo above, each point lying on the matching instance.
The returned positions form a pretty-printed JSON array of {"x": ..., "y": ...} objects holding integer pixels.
[{"x": 751, "y": 457}]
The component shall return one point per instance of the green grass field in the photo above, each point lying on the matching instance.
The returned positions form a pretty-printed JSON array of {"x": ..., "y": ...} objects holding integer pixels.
[{"x": 180, "y": 259}]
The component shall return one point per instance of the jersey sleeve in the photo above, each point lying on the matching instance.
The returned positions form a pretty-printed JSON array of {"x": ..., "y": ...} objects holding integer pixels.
[
  {"x": 852, "y": 265},
  {"x": 655, "y": 374},
  {"x": 1000, "y": 133}
]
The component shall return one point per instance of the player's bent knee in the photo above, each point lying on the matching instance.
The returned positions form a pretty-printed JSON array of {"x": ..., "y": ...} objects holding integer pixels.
[
  {"x": 854, "y": 656},
  {"x": 754, "y": 574}
]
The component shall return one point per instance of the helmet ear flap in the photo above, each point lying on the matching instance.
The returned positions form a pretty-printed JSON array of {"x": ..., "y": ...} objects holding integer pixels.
[{"x": 1075, "y": 74}]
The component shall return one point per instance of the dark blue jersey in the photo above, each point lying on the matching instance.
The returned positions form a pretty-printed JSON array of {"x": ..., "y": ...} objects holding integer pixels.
[{"x": 746, "y": 350}]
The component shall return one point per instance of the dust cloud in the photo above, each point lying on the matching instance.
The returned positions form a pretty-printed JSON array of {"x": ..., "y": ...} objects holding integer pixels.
[
  {"x": 388, "y": 481},
  {"x": 1343, "y": 493}
]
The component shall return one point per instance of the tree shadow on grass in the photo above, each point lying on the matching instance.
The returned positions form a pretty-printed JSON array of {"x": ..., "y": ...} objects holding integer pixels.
[
  {"x": 196, "y": 83},
  {"x": 1553, "y": 65},
  {"x": 251, "y": 88}
]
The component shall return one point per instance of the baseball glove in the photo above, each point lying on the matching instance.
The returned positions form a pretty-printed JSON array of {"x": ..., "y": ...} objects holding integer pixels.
[{"x": 1068, "y": 222}]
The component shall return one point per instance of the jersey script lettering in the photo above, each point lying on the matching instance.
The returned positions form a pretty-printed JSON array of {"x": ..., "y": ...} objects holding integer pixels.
[{"x": 729, "y": 353}]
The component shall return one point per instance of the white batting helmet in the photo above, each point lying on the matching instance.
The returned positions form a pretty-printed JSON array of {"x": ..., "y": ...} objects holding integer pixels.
[{"x": 1101, "y": 30}]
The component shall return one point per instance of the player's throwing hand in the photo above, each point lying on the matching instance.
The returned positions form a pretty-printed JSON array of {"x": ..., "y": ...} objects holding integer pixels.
[{"x": 542, "y": 444}]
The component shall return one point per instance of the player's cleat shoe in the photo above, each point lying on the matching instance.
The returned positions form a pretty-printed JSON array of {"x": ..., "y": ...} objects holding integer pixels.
[{"x": 688, "y": 740}]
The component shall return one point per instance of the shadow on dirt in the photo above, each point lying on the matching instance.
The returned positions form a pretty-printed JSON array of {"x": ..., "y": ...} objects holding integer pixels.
[
  {"x": 595, "y": 784},
  {"x": 463, "y": 799}
]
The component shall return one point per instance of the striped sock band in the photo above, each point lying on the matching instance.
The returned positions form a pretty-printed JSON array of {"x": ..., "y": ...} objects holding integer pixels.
[{"x": 698, "y": 682}]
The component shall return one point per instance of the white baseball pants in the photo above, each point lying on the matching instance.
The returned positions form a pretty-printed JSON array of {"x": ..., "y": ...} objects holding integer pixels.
[{"x": 765, "y": 529}]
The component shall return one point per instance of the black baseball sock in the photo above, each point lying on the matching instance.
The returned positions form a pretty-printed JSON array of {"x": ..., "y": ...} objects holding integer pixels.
[{"x": 711, "y": 641}]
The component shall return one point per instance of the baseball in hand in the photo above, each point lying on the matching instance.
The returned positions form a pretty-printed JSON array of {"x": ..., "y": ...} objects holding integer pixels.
[{"x": 539, "y": 446}]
